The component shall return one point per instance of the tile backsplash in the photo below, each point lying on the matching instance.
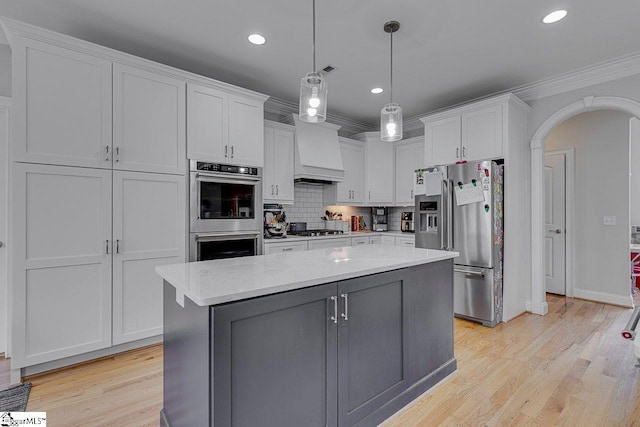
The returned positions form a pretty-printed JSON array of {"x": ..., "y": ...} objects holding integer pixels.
[{"x": 309, "y": 207}]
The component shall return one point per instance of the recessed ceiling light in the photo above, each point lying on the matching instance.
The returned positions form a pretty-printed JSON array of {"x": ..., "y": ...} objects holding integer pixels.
[
  {"x": 257, "y": 39},
  {"x": 377, "y": 90},
  {"x": 554, "y": 16}
]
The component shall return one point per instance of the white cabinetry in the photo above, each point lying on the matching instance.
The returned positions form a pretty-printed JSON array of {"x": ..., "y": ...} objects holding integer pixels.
[
  {"x": 409, "y": 157},
  {"x": 379, "y": 167},
  {"x": 468, "y": 133},
  {"x": 62, "y": 105},
  {"x": 148, "y": 121},
  {"x": 273, "y": 248},
  {"x": 360, "y": 241},
  {"x": 351, "y": 190},
  {"x": 62, "y": 294},
  {"x": 405, "y": 241},
  {"x": 148, "y": 230},
  {"x": 387, "y": 240},
  {"x": 277, "y": 184},
  {"x": 224, "y": 127},
  {"x": 61, "y": 290}
]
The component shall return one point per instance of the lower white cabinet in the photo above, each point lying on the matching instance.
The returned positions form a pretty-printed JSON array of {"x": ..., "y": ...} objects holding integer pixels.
[
  {"x": 388, "y": 240},
  {"x": 405, "y": 241},
  {"x": 329, "y": 243},
  {"x": 273, "y": 248},
  {"x": 360, "y": 240},
  {"x": 71, "y": 262},
  {"x": 148, "y": 230}
]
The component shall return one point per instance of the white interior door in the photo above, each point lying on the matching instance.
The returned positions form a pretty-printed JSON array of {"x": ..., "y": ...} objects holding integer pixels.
[
  {"x": 555, "y": 236},
  {"x": 4, "y": 166}
]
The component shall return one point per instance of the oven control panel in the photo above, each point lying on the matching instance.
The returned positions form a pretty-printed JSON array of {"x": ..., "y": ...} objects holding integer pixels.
[{"x": 217, "y": 167}]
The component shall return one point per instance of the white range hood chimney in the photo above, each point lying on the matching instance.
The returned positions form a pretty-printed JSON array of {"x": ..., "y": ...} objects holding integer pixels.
[{"x": 317, "y": 153}]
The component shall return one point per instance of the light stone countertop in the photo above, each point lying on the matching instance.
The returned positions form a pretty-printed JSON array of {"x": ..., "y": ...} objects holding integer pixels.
[
  {"x": 292, "y": 238},
  {"x": 226, "y": 280}
]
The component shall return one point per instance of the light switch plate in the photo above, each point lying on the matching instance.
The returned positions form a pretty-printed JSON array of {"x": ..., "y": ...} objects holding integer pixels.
[{"x": 609, "y": 220}]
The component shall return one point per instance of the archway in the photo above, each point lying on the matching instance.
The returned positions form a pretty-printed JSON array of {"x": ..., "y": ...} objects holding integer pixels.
[{"x": 590, "y": 103}]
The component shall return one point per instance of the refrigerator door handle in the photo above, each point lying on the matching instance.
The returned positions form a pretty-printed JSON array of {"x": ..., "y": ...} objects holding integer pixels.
[
  {"x": 450, "y": 219},
  {"x": 471, "y": 272},
  {"x": 444, "y": 216}
]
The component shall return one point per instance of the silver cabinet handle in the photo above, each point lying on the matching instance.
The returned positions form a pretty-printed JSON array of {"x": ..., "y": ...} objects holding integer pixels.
[
  {"x": 457, "y": 152},
  {"x": 369, "y": 194},
  {"x": 345, "y": 315},
  {"x": 557, "y": 231},
  {"x": 117, "y": 154},
  {"x": 464, "y": 152},
  {"x": 226, "y": 151},
  {"x": 473, "y": 273},
  {"x": 277, "y": 192},
  {"x": 335, "y": 309},
  {"x": 232, "y": 151},
  {"x": 106, "y": 153},
  {"x": 412, "y": 194},
  {"x": 287, "y": 249},
  {"x": 272, "y": 189},
  {"x": 117, "y": 246},
  {"x": 107, "y": 247}
]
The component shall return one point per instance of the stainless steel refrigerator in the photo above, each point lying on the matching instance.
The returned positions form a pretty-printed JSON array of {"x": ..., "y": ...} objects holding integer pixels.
[{"x": 467, "y": 217}]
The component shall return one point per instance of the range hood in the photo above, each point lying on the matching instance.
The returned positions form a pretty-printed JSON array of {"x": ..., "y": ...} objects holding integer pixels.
[{"x": 317, "y": 153}]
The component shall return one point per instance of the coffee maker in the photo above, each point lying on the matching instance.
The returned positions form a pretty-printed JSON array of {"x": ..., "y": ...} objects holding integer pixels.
[
  {"x": 380, "y": 217},
  {"x": 275, "y": 222},
  {"x": 406, "y": 222}
]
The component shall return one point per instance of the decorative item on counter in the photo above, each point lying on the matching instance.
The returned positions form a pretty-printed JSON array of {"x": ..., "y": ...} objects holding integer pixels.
[{"x": 275, "y": 221}]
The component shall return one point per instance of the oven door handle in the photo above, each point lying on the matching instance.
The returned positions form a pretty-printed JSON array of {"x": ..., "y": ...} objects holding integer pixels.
[
  {"x": 226, "y": 180},
  {"x": 211, "y": 237}
]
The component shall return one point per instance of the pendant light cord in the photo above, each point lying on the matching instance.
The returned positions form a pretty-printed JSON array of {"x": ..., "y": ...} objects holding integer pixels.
[
  {"x": 314, "y": 36},
  {"x": 391, "y": 73}
]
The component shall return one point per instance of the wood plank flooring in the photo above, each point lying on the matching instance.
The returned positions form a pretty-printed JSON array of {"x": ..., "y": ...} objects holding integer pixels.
[{"x": 569, "y": 368}]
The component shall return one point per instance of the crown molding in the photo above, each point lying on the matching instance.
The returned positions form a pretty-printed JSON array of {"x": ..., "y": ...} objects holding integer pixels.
[{"x": 284, "y": 109}]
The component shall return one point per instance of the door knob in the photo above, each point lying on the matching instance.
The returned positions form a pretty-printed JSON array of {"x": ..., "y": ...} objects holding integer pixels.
[{"x": 557, "y": 231}]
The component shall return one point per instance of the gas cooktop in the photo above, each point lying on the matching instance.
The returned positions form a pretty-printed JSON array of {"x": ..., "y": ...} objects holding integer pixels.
[{"x": 312, "y": 233}]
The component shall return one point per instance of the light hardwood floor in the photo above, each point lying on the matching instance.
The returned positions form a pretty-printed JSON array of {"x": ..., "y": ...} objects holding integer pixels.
[{"x": 570, "y": 368}]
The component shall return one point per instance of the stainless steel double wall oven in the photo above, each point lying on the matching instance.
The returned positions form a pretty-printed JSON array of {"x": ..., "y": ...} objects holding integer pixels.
[{"x": 225, "y": 212}]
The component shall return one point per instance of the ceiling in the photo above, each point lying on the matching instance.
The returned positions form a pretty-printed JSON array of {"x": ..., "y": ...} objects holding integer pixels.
[{"x": 445, "y": 52}]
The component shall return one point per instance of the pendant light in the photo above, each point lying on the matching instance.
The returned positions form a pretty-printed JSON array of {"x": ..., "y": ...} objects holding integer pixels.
[
  {"x": 313, "y": 89},
  {"x": 391, "y": 114}
]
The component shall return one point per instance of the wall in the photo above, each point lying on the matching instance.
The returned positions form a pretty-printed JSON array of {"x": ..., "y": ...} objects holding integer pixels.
[
  {"x": 634, "y": 171},
  {"x": 5, "y": 70},
  {"x": 544, "y": 108},
  {"x": 601, "y": 141},
  {"x": 4, "y": 175}
]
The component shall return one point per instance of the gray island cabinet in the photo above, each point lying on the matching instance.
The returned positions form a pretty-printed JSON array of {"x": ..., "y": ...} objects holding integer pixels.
[{"x": 331, "y": 337}]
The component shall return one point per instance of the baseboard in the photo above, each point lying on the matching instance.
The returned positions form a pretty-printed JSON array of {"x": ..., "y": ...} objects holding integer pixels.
[
  {"x": 544, "y": 308},
  {"x": 623, "y": 301}
]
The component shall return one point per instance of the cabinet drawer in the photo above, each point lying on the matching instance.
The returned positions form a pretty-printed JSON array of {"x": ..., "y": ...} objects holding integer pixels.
[
  {"x": 329, "y": 243},
  {"x": 359, "y": 241},
  {"x": 406, "y": 241},
  {"x": 272, "y": 248}
]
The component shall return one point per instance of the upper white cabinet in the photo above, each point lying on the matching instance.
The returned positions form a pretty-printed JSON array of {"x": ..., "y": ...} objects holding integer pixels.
[
  {"x": 148, "y": 121},
  {"x": 62, "y": 105},
  {"x": 224, "y": 127},
  {"x": 277, "y": 182},
  {"x": 409, "y": 157},
  {"x": 379, "y": 176},
  {"x": 473, "y": 132},
  {"x": 351, "y": 189}
]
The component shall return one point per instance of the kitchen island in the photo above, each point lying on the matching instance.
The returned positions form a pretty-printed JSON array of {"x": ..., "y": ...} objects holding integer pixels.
[{"x": 329, "y": 337}]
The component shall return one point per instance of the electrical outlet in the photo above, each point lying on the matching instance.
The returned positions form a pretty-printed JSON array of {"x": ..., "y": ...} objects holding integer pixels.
[{"x": 609, "y": 220}]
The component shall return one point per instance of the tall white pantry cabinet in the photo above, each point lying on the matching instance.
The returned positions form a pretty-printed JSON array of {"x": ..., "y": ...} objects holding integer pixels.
[{"x": 99, "y": 163}]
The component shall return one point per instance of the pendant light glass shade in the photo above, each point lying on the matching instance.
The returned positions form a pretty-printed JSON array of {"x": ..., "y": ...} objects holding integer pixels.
[
  {"x": 391, "y": 122},
  {"x": 313, "y": 89},
  {"x": 313, "y": 98},
  {"x": 391, "y": 114}
]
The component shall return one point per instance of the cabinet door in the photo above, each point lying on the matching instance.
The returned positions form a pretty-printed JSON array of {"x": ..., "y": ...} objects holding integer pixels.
[
  {"x": 272, "y": 353},
  {"x": 380, "y": 167},
  {"x": 283, "y": 162},
  {"x": 405, "y": 241},
  {"x": 149, "y": 229},
  {"x": 404, "y": 174},
  {"x": 371, "y": 365},
  {"x": 207, "y": 123},
  {"x": 246, "y": 131},
  {"x": 148, "y": 121},
  {"x": 388, "y": 240},
  {"x": 360, "y": 241},
  {"x": 482, "y": 134},
  {"x": 268, "y": 172},
  {"x": 62, "y": 106},
  {"x": 357, "y": 174},
  {"x": 442, "y": 139},
  {"x": 61, "y": 290},
  {"x": 344, "y": 188}
]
